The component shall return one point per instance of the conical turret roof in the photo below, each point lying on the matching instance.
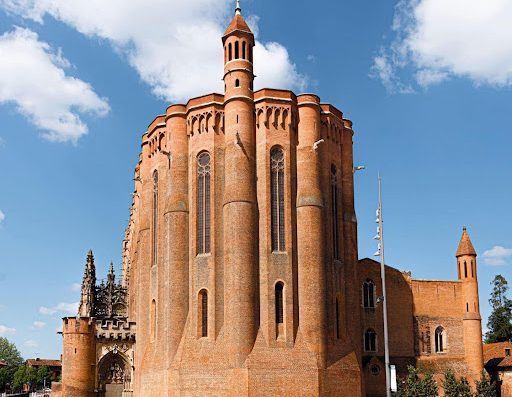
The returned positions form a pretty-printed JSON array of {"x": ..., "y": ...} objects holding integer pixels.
[
  {"x": 237, "y": 23},
  {"x": 465, "y": 245}
]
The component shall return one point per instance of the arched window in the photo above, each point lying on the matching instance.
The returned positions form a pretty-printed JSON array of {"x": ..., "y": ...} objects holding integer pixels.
[
  {"x": 279, "y": 303},
  {"x": 472, "y": 270},
  {"x": 230, "y": 51},
  {"x": 244, "y": 46},
  {"x": 155, "y": 218},
  {"x": 465, "y": 269},
  {"x": 458, "y": 269},
  {"x": 237, "y": 84},
  {"x": 152, "y": 320},
  {"x": 370, "y": 341},
  {"x": 203, "y": 310},
  {"x": 277, "y": 199},
  {"x": 334, "y": 214},
  {"x": 250, "y": 53},
  {"x": 440, "y": 340},
  {"x": 237, "y": 50},
  {"x": 369, "y": 294},
  {"x": 203, "y": 203}
]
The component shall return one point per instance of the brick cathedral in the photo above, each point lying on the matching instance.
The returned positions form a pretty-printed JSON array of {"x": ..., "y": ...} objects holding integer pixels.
[{"x": 240, "y": 266}]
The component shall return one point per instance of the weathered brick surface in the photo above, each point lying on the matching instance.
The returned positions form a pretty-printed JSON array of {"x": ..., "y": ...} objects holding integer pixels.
[{"x": 317, "y": 350}]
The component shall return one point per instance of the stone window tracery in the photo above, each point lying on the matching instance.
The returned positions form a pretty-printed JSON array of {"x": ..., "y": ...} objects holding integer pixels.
[
  {"x": 203, "y": 203},
  {"x": 369, "y": 294},
  {"x": 277, "y": 199},
  {"x": 370, "y": 340},
  {"x": 440, "y": 340}
]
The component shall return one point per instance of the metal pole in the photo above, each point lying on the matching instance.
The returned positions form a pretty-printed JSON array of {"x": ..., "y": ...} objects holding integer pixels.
[{"x": 384, "y": 298}]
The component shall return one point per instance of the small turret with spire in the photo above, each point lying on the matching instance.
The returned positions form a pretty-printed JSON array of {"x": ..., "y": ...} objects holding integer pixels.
[
  {"x": 467, "y": 269},
  {"x": 86, "y": 308}
]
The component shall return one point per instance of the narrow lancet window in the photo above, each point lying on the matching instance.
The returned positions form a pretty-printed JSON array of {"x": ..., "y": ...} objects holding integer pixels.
[
  {"x": 155, "y": 218},
  {"x": 369, "y": 294},
  {"x": 440, "y": 340},
  {"x": 203, "y": 203},
  {"x": 370, "y": 341},
  {"x": 203, "y": 309},
  {"x": 279, "y": 303},
  {"x": 237, "y": 50},
  {"x": 277, "y": 199},
  {"x": 152, "y": 320},
  {"x": 334, "y": 205}
]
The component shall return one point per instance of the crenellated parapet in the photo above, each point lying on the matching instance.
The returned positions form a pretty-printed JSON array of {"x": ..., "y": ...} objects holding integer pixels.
[{"x": 116, "y": 330}]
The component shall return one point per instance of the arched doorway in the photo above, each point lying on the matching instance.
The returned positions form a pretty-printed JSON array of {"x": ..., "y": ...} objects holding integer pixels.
[{"x": 114, "y": 373}]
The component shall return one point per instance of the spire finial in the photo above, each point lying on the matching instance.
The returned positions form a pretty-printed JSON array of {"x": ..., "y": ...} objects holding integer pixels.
[{"x": 238, "y": 9}]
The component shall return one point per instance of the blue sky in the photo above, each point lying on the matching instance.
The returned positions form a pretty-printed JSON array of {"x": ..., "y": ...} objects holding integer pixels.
[{"x": 426, "y": 82}]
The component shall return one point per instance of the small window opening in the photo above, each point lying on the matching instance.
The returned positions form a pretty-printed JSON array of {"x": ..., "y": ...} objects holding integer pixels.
[
  {"x": 440, "y": 340},
  {"x": 472, "y": 270},
  {"x": 237, "y": 83},
  {"x": 465, "y": 270},
  {"x": 507, "y": 352},
  {"x": 370, "y": 341},
  {"x": 237, "y": 50},
  {"x": 230, "y": 51},
  {"x": 152, "y": 320},
  {"x": 279, "y": 304},
  {"x": 244, "y": 45},
  {"x": 467, "y": 307},
  {"x": 369, "y": 294},
  {"x": 203, "y": 303}
]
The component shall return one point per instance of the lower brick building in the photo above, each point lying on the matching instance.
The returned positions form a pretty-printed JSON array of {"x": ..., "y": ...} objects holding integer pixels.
[
  {"x": 433, "y": 324},
  {"x": 240, "y": 266}
]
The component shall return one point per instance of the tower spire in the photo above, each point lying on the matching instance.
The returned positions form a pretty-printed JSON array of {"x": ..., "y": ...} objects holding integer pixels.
[
  {"x": 238, "y": 9},
  {"x": 465, "y": 245}
]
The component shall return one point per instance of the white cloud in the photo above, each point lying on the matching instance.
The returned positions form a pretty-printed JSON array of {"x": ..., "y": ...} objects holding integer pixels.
[
  {"x": 32, "y": 77},
  {"x": 437, "y": 40},
  {"x": 174, "y": 45},
  {"x": 4, "y": 330},
  {"x": 39, "y": 324},
  {"x": 497, "y": 255},
  {"x": 31, "y": 343},
  {"x": 76, "y": 287},
  {"x": 66, "y": 308},
  {"x": 2, "y": 216}
]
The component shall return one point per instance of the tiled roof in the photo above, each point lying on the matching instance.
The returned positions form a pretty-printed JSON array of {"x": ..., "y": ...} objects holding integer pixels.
[
  {"x": 465, "y": 246},
  {"x": 38, "y": 362},
  {"x": 237, "y": 23},
  {"x": 494, "y": 353}
]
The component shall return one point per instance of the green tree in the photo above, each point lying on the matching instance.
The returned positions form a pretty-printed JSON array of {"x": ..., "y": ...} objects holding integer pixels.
[
  {"x": 43, "y": 374},
  {"x": 416, "y": 385},
  {"x": 10, "y": 354},
  {"x": 456, "y": 388},
  {"x": 484, "y": 387},
  {"x": 500, "y": 319},
  {"x": 24, "y": 375}
]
